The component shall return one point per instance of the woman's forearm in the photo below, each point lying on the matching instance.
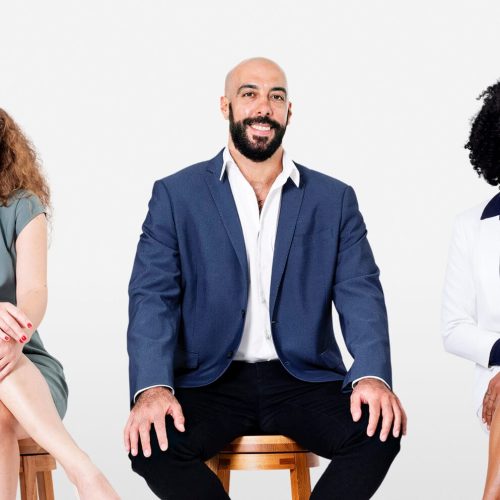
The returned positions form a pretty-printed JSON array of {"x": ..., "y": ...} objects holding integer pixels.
[{"x": 33, "y": 303}]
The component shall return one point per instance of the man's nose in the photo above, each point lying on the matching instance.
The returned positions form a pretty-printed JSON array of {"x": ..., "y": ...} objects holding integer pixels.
[{"x": 264, "y": 107}]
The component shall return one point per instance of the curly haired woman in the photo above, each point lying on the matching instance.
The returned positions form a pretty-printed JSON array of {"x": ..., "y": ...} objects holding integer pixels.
[
  {"x": 33, "y": 392},
  {"x": 471, "y": 300}
]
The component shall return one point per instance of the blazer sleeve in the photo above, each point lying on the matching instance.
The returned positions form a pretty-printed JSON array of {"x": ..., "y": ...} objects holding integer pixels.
[
  {"x": 359, "y": 299},
  {"x": 461, "y": 335},
  {"x": 154, "y": 298}
]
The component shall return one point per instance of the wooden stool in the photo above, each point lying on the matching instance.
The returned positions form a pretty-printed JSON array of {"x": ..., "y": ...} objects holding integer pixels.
[
  {"x": 35, "y": 472},
  {"x": 267, "y": 453}
]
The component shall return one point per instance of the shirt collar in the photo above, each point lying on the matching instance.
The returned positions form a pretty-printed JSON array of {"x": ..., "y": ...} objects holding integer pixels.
[
  {"x": 492, "y": 209},
  {"x": 289, "y": 167}
]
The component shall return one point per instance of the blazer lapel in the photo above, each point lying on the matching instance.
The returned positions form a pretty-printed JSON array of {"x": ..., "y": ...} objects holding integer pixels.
[
  {"x": 291, "y": 200},
  {"x": 223, "y": 198}
]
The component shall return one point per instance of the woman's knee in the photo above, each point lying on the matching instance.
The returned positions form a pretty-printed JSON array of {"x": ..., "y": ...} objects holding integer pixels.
[{"x": 8, "y": 423}]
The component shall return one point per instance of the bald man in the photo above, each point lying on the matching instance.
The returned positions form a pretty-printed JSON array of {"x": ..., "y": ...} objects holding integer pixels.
[{"x": 240, "y": 260}]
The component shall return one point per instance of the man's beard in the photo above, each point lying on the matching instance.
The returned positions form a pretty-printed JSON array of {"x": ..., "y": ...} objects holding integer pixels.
[{"x": 262, "y": 148}]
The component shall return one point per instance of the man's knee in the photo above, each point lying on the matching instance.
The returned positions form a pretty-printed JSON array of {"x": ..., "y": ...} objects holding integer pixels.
[
  {"x": 391, "y": 446},
  {"x": 179, "y": 452}
]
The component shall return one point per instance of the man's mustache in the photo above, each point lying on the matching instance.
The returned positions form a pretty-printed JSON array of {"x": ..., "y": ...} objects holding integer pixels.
[{"x": 261, "y": 120}]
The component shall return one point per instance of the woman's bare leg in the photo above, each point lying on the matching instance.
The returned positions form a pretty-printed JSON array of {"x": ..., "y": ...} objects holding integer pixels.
[
  {"x": 25, "y": 393},
  {"x": 10, "y": 432},
  {"x": 492, "y": 487}
]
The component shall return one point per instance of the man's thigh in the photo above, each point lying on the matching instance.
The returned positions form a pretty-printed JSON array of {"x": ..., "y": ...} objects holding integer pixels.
[
  {"x": 214, "y": 415},
  {"x": 316, "y": 414}
]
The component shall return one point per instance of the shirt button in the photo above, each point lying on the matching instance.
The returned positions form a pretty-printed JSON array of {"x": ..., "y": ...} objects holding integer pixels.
[{"x": 268, "y": 335}]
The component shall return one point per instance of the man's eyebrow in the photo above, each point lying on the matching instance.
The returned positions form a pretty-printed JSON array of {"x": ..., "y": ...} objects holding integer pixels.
[
  {"x": 247, "y": 86},
  {"x": 255, "y": 87}
]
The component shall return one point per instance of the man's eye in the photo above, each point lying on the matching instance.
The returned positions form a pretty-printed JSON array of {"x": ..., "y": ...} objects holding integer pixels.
[
  {"x": 278, "y": 97},
  {"x": 248, "y": 94}
]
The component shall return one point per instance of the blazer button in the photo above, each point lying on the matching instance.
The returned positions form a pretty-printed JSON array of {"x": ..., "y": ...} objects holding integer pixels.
[
  {"x": 243, "y": 312},
  {"x": 230, "y": 354}
]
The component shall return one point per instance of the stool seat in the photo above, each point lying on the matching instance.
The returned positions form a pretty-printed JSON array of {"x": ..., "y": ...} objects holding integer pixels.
[
  {"x": 262, "y": 444},
  {"x": 267, "y": 453},
  {"x": 35, "y": 471}
]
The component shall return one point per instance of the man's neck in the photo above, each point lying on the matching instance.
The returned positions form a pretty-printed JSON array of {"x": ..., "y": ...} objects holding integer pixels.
[{"x": 258, "y": 173}]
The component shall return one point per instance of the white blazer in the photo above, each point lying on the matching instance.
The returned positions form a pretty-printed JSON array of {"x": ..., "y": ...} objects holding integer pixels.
[{"x": 471, "y": 298}]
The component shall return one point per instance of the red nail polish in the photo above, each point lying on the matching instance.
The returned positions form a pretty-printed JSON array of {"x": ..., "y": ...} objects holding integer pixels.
[
  {"x": 6, "y": 338},
  {"x": 23, "y": 338},
  {"x": 30, "y": 325}
]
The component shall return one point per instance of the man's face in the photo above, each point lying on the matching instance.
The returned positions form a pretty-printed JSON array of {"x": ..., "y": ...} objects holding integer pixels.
[{"x": 257, "y": 107}]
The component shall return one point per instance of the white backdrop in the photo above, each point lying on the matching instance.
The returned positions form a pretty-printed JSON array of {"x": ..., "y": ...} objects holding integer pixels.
[{"x": 117, "y": 94}]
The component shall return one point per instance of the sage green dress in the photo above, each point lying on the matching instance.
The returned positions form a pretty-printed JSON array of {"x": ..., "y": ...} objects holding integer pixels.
[{"x": 21, "y": 209}]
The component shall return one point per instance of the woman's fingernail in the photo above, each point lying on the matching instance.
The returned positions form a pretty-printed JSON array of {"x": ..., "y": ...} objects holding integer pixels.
[
  {"x": 30, "y": 325},
  {"x": 23, "y": 338},
  {"x": 6, "y": 337}
]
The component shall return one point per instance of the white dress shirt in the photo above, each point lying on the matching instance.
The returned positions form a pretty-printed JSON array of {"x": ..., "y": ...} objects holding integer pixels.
[{"x": 259, "y": 232}]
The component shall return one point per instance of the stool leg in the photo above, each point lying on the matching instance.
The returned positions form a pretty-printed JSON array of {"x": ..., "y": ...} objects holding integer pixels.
[
  {"x": 222, "y": 474},
  {"x": 299, "y": 478},
  {"x": 22, "y": 485},
  {"x": 45, "y": 485},
  {"x": 28, "y": 479}
]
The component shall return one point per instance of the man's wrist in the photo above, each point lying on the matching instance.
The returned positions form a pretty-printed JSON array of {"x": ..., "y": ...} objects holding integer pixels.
[
  {"x": 138, "y": 394},
  {"x": 370, "y": 378}
]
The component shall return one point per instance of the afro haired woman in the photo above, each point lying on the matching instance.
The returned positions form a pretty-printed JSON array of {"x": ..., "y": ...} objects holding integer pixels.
[
  {"x": 33, "y": 392},
  {"x": 471, "y": 299}
]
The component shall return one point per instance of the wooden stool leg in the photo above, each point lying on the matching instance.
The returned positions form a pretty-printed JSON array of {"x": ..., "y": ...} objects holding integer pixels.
[
  {"x": 22, "y": 485},
  {"x": 28, "y": 479},
  {"x": 222, "y": 474},
  {"x": 299, "y": 478},
  {"x": 45, "y": 485}
]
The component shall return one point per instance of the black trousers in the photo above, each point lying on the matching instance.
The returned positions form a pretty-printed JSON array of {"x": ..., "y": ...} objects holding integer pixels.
[{"x": 263, "y": 398}]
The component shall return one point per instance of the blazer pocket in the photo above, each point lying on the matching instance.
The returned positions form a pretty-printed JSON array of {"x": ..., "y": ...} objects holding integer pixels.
[
  {"x": 185, "y": 360},
  {"x": 331, "y": 359}
]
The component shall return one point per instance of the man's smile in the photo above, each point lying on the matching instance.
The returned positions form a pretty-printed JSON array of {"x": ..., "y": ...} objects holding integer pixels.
[{"x": 261, "y": 129}]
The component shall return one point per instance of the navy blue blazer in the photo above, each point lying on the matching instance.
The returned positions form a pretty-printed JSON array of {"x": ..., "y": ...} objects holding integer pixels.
[{"x": 189, "y": 286}]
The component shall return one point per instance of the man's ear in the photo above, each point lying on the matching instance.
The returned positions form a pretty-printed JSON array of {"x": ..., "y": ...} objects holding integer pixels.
[
  {"x": 224, "y": 107},
  {"x": 289, "y": 115}
]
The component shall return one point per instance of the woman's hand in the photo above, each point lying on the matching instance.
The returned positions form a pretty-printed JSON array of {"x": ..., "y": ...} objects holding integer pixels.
[
  {"x": 10, "y": 352},
  {"x": 14, "y": 324},
  {"x": 491, "y": 399}
]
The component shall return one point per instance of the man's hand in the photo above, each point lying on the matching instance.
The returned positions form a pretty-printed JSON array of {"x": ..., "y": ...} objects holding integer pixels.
[
  {"x": 151, "y": 407},
  {"x": 379, "y": 399},
  {"x": 10, "y": 352},
  {"x": 491, "y": 399}
]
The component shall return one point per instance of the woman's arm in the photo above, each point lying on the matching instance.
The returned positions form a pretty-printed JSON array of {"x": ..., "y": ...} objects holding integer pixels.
[
  {"x": 31, "y": 271},
  {"x": 461, "y": 335}
]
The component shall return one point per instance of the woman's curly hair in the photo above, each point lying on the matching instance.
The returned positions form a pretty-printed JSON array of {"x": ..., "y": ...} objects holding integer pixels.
[
  {"x": 20, "y": 168},
  {"x": 484, "y": 138}
]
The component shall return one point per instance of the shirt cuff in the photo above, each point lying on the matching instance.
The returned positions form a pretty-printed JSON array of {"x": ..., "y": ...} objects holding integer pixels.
[
  {"x": 150, "y": 387},
  {"x": 370, "y": 376},
  {"x": 495, "y": 354}
]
